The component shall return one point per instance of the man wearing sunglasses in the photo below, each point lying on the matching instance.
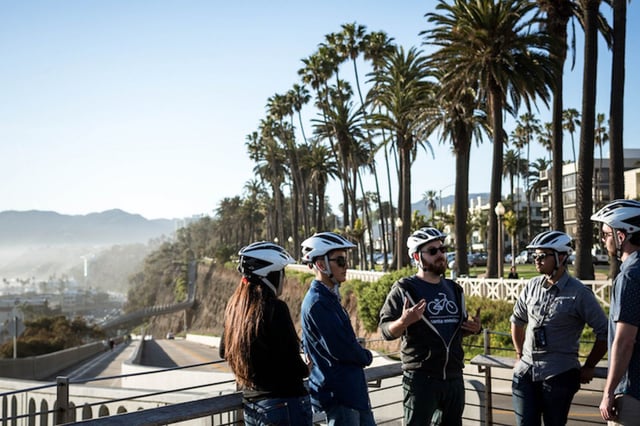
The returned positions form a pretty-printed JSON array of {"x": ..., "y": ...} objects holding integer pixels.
[
  {"x": 428, "y": 312},
  {"x": 337, "y": 384},
  {"x": 620, "y": 233},
  {"x": 547, "y": 322}
]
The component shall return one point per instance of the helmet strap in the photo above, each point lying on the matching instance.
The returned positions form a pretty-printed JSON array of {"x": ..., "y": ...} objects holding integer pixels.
[
  {"x": 268, "y": 284},
  {"x": 329, "y": 274}
]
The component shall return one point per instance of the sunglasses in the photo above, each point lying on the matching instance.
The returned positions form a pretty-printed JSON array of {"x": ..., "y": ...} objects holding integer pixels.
[
  {"x": 341, "y": 261},
  {"x": 433, "y": 250},
  {"x": 539, "y": 256}
]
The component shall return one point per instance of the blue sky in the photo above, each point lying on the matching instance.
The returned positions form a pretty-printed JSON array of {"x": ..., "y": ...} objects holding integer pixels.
[{"x": 145, "y": 105}]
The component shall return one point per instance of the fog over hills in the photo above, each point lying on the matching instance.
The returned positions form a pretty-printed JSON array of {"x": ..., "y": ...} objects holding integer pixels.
[
  {"x": 35, "y": 227},
  {"x": 42, "y": 243}
]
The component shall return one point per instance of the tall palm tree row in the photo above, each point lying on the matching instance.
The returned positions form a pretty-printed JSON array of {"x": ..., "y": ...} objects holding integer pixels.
[
  {"x": 499, "y": 44},
  {"x": 489, "y": 58}
]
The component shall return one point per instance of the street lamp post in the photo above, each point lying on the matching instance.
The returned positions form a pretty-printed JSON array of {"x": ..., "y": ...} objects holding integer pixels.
[
  {"x": 500, "y": 210},
  {"x": 440, "y": 195},
  {"x": 399, "y": 243},
  {"x": 290, "y": 240}
]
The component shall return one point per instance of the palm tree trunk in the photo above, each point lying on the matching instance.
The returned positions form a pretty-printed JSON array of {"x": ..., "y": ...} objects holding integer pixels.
[
  {"x": 616, "y": 111},
  {"x": 584, "y": 186},
  {"x": 463, "y": 156},
  {"x": 495, "y": 105}
]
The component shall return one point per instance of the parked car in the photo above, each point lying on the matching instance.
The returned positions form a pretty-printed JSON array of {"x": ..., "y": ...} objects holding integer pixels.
[
  {"x": 379, "y": 258},
  {"x": 599, "y": 256},
  {"x": 479, "y": 259},
  {"x": 473, "y": 259},
  {"x": 524, "y": 257}
]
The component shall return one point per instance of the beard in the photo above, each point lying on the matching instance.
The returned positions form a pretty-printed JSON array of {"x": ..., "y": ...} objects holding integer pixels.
[{"x": 438, "y": 267}]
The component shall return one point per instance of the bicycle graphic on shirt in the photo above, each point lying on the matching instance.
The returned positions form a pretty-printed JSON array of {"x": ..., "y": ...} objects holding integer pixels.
[{"x": 438, "y": 305}]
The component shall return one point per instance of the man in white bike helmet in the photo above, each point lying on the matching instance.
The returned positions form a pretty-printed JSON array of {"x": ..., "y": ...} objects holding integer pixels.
[
  {"x": 337, "y": 383},
  {"x": 620, "y": 233},
  {"x": 428, "y": 312},
  {"x": 547, "y": 322}
]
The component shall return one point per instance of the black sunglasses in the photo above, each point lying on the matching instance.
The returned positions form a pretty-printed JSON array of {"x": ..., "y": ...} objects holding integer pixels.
[
  {"x": 433, "y": 250},
  {"x": 341, "y": 261},
  {"x": 539, "y": 256}
]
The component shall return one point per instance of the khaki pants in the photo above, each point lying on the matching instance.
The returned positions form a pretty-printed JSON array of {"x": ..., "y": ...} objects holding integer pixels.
[{"x": 628, "y": 409}]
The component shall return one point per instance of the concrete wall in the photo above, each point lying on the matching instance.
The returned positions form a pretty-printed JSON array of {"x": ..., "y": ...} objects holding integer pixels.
[{"x": 43, "y": 366}]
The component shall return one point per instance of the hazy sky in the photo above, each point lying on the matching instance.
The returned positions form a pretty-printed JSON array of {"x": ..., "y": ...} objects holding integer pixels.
[{"x": 145, "y": 105}]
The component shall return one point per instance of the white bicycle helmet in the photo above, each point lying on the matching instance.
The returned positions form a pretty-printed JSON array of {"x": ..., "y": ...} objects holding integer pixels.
[
  {"x": 421, "y": 237},
  {"x": 321, "y": 243},
  {"x": 623, "y": 215},
  {"x": 266, "y": 261},
  {"x": 553, "y": 240}
]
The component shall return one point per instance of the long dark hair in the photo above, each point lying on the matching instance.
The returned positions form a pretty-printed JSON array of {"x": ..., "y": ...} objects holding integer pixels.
[{"x": 243, "y": 320}]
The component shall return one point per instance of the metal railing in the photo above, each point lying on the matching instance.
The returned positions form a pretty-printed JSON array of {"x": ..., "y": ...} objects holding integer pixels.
[{"x": 487, "y": 397}]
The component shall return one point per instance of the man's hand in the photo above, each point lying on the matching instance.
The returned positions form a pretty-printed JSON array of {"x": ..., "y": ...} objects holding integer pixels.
[
  {"x": 473, "y": 325},
  {"x": 607, "y": 409},
  {"x": 412, "y": 314},
  {"x": 586, "y": 374}
]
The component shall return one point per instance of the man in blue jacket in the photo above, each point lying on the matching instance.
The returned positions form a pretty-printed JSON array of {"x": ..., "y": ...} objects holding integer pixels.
[
  {"x": 337, "y": 383},
  {"x": 429, "y": 313}
]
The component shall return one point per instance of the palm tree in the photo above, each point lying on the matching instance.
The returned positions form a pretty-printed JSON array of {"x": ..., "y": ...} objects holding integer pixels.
[
  {"x": 545, "y": 138},
  {"x": 322, "y": 165},
  {"x": 375, "y": 47},
  {"x": 601, "y": 138},
  {"x": 570, "y": 123},
  {"x": 584, "y": 184},
  {"x": 402, "y": 90},
  {"x": 616, "y": 105},
  {"x": 512, "y": 167},
  {"x": 558, "y": 14},
  {"x": 527, "y": 126},
  {"x": 495, "y": 42},
  {"x": 429, "y": 198},
  {"x": 459, "y": 119}
]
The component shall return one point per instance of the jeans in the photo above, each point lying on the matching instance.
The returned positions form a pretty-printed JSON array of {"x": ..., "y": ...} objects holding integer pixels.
[
  {"x": 340, "y": 415},
  {"x": 423, "y": 395},
  {"x": 549, "y": 399},
  {"x": 278, "y": 411}
]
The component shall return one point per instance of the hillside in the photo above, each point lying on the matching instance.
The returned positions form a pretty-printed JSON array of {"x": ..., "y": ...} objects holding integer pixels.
[
  {"x": 215, "y": 286},
  {"x": 43, "y": 228},
  {"x": 42, "y": 244}
]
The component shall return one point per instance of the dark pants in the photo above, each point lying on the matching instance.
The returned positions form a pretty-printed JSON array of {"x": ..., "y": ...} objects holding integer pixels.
[
  {"x": 549, "y": 399},
  {"x": 424, "y": 394}
]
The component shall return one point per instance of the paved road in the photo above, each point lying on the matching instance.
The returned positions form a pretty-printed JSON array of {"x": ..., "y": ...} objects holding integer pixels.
[{"x": 158, "y": 353}]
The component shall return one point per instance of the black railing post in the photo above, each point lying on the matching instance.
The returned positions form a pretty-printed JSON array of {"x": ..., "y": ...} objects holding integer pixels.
[
  {"x": 488, "y": 405},
  {"x": 62, "y": 412}
]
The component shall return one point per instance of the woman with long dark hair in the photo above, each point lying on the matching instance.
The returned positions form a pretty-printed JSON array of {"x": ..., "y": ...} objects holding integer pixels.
[{"x": 260, "y": 342}]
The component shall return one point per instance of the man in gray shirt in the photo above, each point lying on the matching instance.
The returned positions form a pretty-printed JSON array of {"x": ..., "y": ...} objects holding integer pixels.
[{"x": 554, "y": 307}]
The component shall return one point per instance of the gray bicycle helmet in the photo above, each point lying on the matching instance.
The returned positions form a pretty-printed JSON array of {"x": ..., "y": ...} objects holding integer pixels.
[
  {"x": 623, "y": 215},
  {"x": 553, "y": 240},
  {"x": 421, "y": 237},
  {"x": 322, "y": 243}
]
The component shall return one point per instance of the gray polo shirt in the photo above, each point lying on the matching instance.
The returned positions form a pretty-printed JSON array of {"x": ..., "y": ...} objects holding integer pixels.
[{"x": 562, "y": 310}]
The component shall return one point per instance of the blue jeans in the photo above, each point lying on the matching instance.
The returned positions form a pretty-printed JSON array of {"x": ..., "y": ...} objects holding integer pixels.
[
  {"x": 339, "y": 415},
  {"x": 278, "y": 411},
  {"x": 423, "y": 395},
  {"x": 549, "y": 399}
]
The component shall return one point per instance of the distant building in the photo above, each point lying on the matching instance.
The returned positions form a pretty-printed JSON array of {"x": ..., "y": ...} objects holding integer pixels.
[{"x": 600, "y": 188}]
